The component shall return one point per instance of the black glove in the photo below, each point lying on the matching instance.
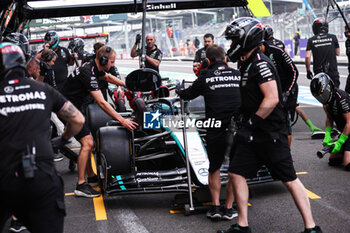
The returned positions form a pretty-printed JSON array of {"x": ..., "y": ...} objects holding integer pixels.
[
  {"x": 309, "y": 75},
  {"x": 58, "y": 142},
  {"x": 138, "y": 39},
  {"x": 245, "y": 133},
  {"x": 179, "y": 87},
  {"x": 44, "y": 68},
  {"x": 205, "y": 63}
]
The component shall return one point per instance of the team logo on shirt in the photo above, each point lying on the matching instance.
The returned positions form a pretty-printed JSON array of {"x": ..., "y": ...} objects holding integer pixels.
[
  {"x": 217, "y": 72},
  {"x": 63, "y": 54},
  {"x": 8, "y": 89}
]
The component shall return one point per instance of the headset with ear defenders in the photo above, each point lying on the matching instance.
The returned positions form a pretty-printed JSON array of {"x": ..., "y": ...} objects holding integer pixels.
[
  {"x": 104, "y": 59},
  {"x": 49, "y": 56}
]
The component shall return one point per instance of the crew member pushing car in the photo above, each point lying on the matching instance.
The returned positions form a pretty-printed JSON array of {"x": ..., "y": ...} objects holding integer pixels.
[{"x": 79, "y": 85}]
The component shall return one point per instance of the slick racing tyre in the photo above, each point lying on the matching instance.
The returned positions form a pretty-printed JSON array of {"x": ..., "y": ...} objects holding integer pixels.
[
  {"x": 113, "y": 146},
  {"x": 96, "y": 118}
]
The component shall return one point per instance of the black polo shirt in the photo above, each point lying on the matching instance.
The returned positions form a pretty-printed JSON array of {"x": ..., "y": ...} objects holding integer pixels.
[
  {"x": 323, "y": 47},
  {"x": 200, "y": 55},
  {"x": 25, "y": 112},
  {"x": 155, "y": 54},
  {"x": 286, "y": 68},
  {"x": 219, "y": 85},
  {"x": 275, "y": 42},
  {"x": 347, "y": 47},
  {"x": 79, "y": 84},
  {"x": 61, "y": 66},
  {"x": 256, "y": 70},
  {"x": 339, "y": 105}
]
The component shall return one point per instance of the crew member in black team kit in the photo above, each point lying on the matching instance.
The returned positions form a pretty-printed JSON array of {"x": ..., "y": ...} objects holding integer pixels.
[
  {"x": 270, "y": 40},
  {"x": 64, "y": 58},
  {"x": 29, "y": 185},
  {"x": 47, "y": 60},
  {"x": 81, "y": 83},
  {"x": 288, "y": 74},
  {"x": 103, "y": 85},
  {"x": 153, "y": 54},
  {"x": 336, "y": 104},
  {"x": 220, "y": 87},
  {"x": 347, "y": 47},
  {"x": 325, "y": 49},
  {"x": 262, "y": 136},
  {"x": 200, "y": 55}
]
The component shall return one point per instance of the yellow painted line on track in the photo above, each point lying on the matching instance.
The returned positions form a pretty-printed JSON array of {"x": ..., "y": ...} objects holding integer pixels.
[
  {"x": 69, "y": 194},
  {"x": 312, "y": 195},
  {"x": 99, "y": 205},
  {"x": 176, "y": 211},
  {"x": 302, "y": 173},
  {"x": 100, "y": 210}
]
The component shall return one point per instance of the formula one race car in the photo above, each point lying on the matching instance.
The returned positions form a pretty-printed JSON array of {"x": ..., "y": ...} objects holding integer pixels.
[{"x": 152, "y": 158}]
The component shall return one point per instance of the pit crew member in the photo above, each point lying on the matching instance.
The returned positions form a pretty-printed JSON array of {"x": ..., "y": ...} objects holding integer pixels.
[
  {"x": 64, "y": 58},
  {"x": 153, "y": 54},
  {"x": 81, "y": 83},
  {"x": 220, "y": 87},
  {"x": 336, "y": 104},
  {"x": 262, "y": 137},
  {"x": 30, "y": 187},
  {"x": 324, "y": 48},
  {"x": 347, "y": 47},
  {"x": 270, "y": 40},
  {"x": 199, "y": 59}
]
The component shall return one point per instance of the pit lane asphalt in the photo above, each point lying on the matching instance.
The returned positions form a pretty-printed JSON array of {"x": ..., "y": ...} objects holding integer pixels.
[{"x": 272, "y": 208}]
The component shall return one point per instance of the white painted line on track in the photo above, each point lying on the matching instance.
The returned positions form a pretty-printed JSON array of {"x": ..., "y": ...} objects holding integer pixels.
[
  {"x": 128, "y": 220},
  {"x": 340, "y": 213}
]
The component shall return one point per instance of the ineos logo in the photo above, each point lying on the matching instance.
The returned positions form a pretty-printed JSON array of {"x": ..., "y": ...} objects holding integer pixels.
[
  {"x": 203, "y": 172},
  {"x": 8, "y": 89}
]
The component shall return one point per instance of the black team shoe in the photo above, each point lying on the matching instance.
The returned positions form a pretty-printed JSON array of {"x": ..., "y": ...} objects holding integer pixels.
[
  {"x": 85, "y": 190},
  {"x": 57, "y": 157},
  {"x": 236, "y": 229},
  {"x": 347, "y": 167},
  {"x": 16, "y": 226},
  {"x": 333, "y": 162},
  {"x": 214, "y": 213},
  {"x": 229, "y": 214},
  {"x": 316, "y": 229}
]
